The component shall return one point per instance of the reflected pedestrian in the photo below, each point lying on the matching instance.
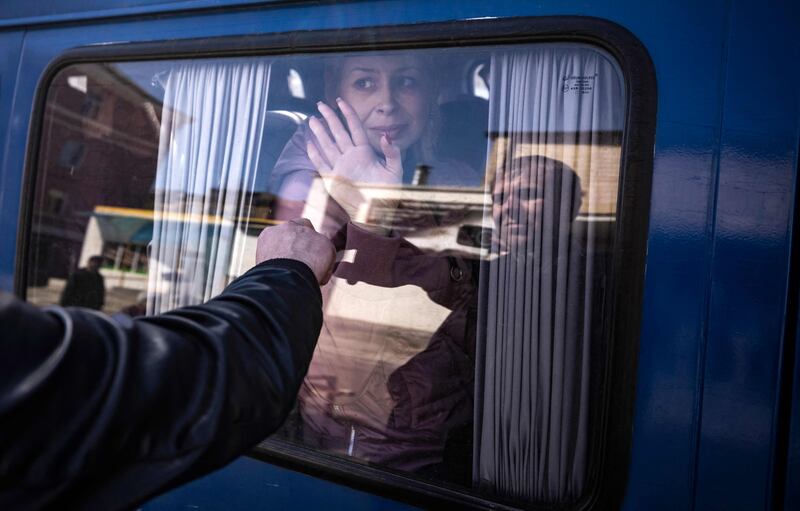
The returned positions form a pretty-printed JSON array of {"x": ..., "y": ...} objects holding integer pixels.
[{"x": 85, "y": 287}]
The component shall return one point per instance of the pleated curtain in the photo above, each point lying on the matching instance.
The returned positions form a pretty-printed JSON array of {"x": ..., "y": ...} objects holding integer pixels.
[
  {"x": 551, "y": 109},
  {"x": 211, "y": 131}
]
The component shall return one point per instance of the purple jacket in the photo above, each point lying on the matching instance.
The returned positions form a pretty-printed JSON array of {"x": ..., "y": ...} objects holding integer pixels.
[
  {"x": 378, "y": 388},
  {"x": 392, "y": 374}
]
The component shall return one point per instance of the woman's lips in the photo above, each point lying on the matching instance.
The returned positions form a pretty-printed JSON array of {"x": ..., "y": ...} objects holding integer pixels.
[{"x": 393, "y": 130}]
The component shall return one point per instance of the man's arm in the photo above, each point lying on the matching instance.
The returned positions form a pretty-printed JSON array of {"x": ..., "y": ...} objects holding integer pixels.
[{"x": 101, "y": 413}]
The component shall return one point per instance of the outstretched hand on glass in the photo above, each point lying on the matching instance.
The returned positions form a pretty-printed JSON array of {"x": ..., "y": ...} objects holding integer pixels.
[{"x": 345, "y": 158}]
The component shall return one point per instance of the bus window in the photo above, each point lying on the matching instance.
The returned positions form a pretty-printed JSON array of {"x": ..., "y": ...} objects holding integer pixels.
[{"x": 471, "y": 194}]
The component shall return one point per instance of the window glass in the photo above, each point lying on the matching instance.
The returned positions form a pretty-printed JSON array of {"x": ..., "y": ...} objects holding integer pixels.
[{"x": 471, "y": 195}]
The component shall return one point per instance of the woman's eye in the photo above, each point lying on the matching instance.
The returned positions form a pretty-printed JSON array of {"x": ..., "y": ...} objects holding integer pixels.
[
  {"x": 407, "y": 82},
  {"x": 364, "y": 83}
]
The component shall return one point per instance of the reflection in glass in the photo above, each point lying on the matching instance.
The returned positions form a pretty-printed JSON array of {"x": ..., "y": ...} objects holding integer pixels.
[
  {"x": 212, "y": 124},
  {"x": 555, "y": 121},
  {"x": 471, "y": 195}
]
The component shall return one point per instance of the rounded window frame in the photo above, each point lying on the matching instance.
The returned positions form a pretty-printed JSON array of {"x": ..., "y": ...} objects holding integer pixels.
[{"x": 607, "y": 486}]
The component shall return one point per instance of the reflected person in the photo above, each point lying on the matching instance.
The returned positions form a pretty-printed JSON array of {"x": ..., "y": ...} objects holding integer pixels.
[
  {"x": 85, "y": 287},
  {"x": 534, "y": 198},
  {"x": 536, "y": 310}
]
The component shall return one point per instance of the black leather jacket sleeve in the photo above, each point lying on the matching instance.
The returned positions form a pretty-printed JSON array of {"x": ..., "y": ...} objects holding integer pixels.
[{"x": 100, "y": 413}]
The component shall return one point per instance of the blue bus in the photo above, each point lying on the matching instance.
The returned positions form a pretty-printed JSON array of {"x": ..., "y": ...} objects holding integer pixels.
[{"x": 568, "y": 267}]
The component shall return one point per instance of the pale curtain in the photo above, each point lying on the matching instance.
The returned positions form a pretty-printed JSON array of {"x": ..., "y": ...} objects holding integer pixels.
[
  {"x": 553, "y": 110},
  {"x": 211, "y": 132}
]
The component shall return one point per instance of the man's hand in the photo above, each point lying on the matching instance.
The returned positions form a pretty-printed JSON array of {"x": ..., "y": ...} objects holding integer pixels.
[{"x": 297, "y": 239}]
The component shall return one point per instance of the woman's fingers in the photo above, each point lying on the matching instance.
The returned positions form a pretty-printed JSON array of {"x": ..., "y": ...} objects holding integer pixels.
[
  {"x": 340, "y": 135},
  {"x": 394, "y": 162},
  {"x": 353, "y": 122},
  {"x": 319, "y": 162},
  {"x": 330, "y": 151}
]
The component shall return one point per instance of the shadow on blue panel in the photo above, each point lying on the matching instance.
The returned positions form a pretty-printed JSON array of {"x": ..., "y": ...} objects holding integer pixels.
[{"x": 253, "y": 484}]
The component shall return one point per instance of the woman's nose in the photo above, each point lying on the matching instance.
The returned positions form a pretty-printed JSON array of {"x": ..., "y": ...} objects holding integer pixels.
[{"x": 386, "y": 102}]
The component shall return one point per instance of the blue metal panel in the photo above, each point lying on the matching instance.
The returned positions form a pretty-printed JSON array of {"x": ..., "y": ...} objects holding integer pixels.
[
  {"x": 252, "y": 484},
  {"x": 11, "y": 42},
  {"x": 57, "y": 11},
  {"x": 750, "y": 259},
  {"x": 745, "y": 322},
  {"x": 688, "y": 68},
  {"x": 674, "y": 317}
]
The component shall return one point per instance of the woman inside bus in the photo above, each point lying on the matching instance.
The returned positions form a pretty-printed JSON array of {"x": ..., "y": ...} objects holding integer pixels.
[
  {"x": 391, "y": 307},
  {"x": 384, "y": 102}
]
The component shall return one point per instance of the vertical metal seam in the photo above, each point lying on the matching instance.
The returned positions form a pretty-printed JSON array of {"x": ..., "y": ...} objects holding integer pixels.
[{"x": 711, "y": 228}]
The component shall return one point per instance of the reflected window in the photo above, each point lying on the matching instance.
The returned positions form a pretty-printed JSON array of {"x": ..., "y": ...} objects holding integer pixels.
[
  {"x": 479, "y": 86},
  {"x": 295, "y": 83},
  {"x": 464, "y": 326}
]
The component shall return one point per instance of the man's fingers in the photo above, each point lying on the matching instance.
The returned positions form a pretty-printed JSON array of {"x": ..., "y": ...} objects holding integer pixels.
[
  {"x": 330, "y": 150},
  {"x": 327, "y": 276},
  {"x": 297, "y": 239},
  {"x": 330, "y": 263},
  {"x": 342, "y": 137},
  {"x": 353, "y": 123}
]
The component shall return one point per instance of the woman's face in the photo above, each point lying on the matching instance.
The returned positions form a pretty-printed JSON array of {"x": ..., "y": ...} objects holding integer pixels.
[{"x": 390, "y": 94}]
